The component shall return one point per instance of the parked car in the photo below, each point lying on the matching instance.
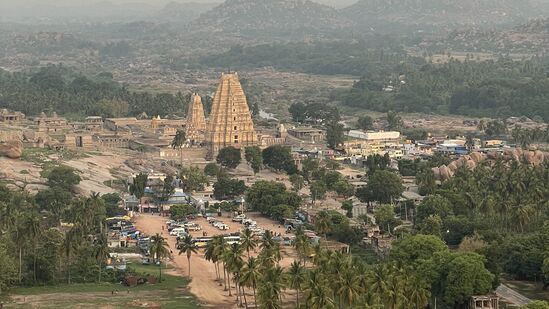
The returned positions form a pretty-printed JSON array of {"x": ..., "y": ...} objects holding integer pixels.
[
  {"x": 223, "y": 226},
  {"x": 176, "y": 231},
  {"x": 239, "y": 218}
]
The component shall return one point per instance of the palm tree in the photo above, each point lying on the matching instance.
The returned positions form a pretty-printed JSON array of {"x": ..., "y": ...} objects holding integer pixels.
[
  {"x": 296, "y": 279},
  {"x": 416, "y": 294},
  {"x": 33, "y": 230},
  {"x": 178, "y": 142},
  {"x": 160, "y": 250},
  {"x": 101, "y": 251},
  {"x": 349, "y": 287},
  {"x": 247, "y": 241},
  {"x": 323, "y": 223},
  {"x": 267, "y": 240},
  {"x": 302, "y": 245},
  {"x": 250, "y": 275},
  {"x": 209, "y": 255},
  {"x": 233, "y": 262},
  {"x": 220, "y": 248},
  {"x": 70, "y": 245},
  {"x": 270, "y": 290},
  {"x": 187, "y": 246},
  {"x": 318, "y": 296}
]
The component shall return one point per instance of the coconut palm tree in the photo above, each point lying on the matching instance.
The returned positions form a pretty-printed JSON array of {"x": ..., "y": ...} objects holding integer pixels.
[
  {"x": 209, "y": 255},
  {"x": 302, "y": 245},
  {"x": 251, "y": 274},
  {"x": 160, "y": 250},
  {"x": 323, "y": 223},
  {"x": 220, "y": 246},
  {"x": 187, "y": 246},
  {"x": 247, "y": 241},
  {"x": 101, "y": 251},
  {"x": 348, "y": 287},
  {"x": 270, "y": 289},
  {"x": 34, "y": 231},
  {"x": 296, "y": 279},
  {"x": 318, "y": 293},
  {"x": 70, "y": 245}
]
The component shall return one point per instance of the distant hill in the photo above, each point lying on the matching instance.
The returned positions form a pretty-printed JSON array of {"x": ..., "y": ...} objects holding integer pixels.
[
  {"x": 529, "y": 38},
  {"x": 272, "y": 17},
  {"x": 439, "y": 12},
  {"x": 184, "y": 12}
]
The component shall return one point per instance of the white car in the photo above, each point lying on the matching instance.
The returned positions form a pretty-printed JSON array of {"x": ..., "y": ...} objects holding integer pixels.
[
  {"x": 176, "y": 231},
  {"x": 223, "y": 226},
  {"x": 239, "y": 218},
  {"x": 194, "y": 227}
]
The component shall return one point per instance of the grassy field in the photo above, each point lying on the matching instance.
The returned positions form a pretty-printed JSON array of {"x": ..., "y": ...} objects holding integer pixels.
[{"x": 171, "y": 293}]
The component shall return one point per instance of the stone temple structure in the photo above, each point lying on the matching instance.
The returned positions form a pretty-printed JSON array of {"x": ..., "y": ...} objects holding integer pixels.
[
  {"x": 230, "y": 122},
  {"x": 196, "y": 122}
]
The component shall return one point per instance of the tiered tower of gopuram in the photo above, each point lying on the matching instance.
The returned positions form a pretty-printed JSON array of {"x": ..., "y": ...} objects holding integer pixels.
[
  {"x": 230, "y": 122},
  {"x": 196, "y": 123}
]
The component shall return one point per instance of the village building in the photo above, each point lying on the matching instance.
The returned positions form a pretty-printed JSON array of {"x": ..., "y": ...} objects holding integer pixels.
[
  {"x": 311, "y": 135},
  {"x": 11, "y": 117},
  {"x": 50, "y": 124}
]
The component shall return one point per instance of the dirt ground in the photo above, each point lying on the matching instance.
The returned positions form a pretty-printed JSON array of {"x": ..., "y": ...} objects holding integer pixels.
[{"x": 203, "y": 284}]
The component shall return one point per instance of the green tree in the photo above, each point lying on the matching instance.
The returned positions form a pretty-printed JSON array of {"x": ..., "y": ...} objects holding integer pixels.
[
  {"x": 187, "y": 246},
  {"x": 211, "y": 169},
  {"x": 296, "y": 279},
  {"x": 137, "y": 188},
  {"x": 365, "y": 123},
  {"x": 431, "y": 225},
  {"x": 101, "y": 252},
  {"x": 323, "y": 223},
  {"x": 192, "y": 179},
  {"x": 385, "y": 217},
  {"x": 383, "y": 186},
  {"x": 426, "y": 181},
  {"x": 159, "y": 250},
  {"x": 318, "y": 190},
  {"x": 227, "y": 188},
  {"x": 112, "y": 108},
  {"x": 348, "y": 207},
  {"x": 394, "y": 121},
  {"x": 415, "y": 249},
  {"x": 335, "y": 134},
  {"x": 297, "y": 181},
  {"x": 63, "y": 177},
  {"x": 179, "y": 139},
  {"x": 344, "y": 188},
  {"x": 229, "y": 157},
  {"x": 8, "y": 275},
  {"x": 251, "y": 274},
  {"x": 433, "y": 205},
  {"x": 254, "y": 158},
  {"x": 538, "y": 304},
  {"x": 279, "y": 158}
]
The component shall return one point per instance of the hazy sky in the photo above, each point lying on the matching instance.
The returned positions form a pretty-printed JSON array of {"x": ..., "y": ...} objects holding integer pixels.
[{"x": 6, "y": 3}]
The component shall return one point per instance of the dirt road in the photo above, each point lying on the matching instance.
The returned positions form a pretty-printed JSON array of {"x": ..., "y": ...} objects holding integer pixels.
[{"x": 203, "y": 284}]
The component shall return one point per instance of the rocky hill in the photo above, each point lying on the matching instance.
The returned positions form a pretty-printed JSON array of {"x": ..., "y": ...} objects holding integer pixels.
[
  {"x": 439, "y": 12},
  {"x": 530, "y": 38},
  {"x": 271, "y": 17},
  {"x": 184, "y": 12}
]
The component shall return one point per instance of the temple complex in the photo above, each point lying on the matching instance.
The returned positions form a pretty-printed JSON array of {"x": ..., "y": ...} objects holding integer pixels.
[
  {"x": 196, "y": 122},
  {"x": 230, "y": 122}
]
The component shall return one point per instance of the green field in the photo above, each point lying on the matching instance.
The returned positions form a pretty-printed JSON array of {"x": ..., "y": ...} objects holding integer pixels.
[{"x": 171, "y": 293}]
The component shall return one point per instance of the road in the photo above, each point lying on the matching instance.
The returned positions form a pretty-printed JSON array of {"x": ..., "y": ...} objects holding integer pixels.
[{"x": 512, "y": 296}]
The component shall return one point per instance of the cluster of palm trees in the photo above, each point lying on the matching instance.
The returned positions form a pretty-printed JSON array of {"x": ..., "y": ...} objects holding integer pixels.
[
  {"x": 319, "y": 279},
  {"x": 25, "y": 229},
  {"x": 512, "y": 196}
]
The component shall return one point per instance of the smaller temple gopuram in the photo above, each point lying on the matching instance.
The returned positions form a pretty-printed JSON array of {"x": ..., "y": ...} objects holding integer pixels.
[{"x": 196, "y": 122}]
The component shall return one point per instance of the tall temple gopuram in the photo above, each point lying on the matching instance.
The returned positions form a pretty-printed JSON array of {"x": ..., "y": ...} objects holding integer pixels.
[
  {"x": 230, "y": 122},
  {"x": 196, "y": 122}
]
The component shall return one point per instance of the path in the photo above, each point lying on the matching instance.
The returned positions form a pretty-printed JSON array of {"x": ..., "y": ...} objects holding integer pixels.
[
  {"x": 512, "y": 296},
  {"x": 203, "y": 284}
]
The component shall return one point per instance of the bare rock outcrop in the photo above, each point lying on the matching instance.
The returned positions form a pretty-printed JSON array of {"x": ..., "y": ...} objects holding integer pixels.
[{"x": 11, "y": 149}]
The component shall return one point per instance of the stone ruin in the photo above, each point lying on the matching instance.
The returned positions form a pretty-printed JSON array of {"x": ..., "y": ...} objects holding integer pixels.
[{"x": 471, "y": 161}]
